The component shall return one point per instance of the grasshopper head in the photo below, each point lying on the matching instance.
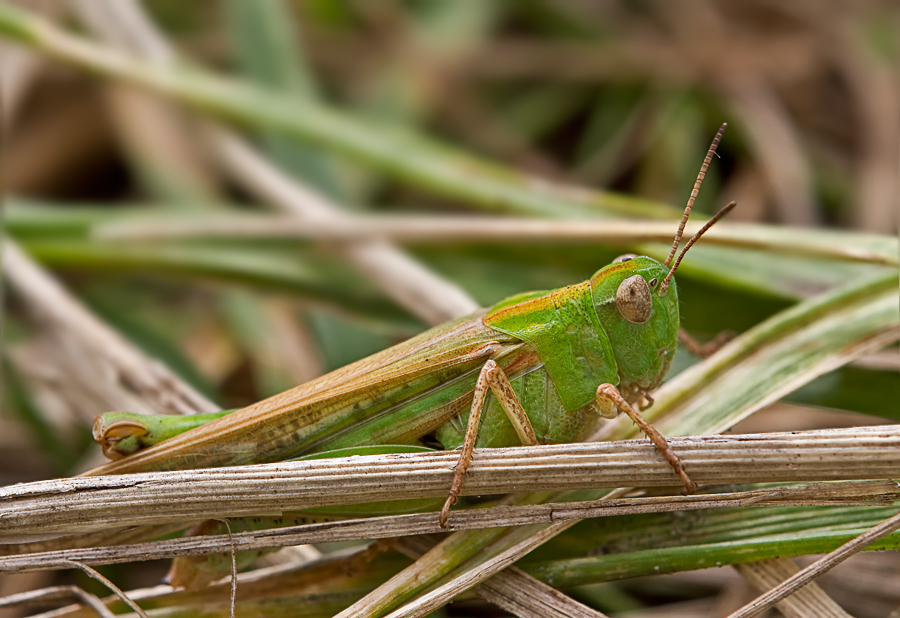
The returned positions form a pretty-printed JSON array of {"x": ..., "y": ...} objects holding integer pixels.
[
  {"x": 641, "y": 323},
  {"x": 637, "y": 303}
]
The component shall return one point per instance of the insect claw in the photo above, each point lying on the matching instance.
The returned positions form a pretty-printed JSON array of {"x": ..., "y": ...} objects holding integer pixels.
[
  {"x": 445, "y": 510},
  {"x": 646, "y": 401},
  {"x": 690, "y": 487}
]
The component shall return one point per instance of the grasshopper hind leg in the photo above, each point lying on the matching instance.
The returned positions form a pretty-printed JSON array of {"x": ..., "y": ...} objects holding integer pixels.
[{"x": 491, "y": 377}]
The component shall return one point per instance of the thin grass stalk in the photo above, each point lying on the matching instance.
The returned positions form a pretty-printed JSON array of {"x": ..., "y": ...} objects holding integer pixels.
[
  {"x": 413, "y": 286},
  {"x": 401, "y": 154}
]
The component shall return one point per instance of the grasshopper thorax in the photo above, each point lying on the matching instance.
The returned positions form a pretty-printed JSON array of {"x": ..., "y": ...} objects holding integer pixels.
[{"x": 642, "y": 325}]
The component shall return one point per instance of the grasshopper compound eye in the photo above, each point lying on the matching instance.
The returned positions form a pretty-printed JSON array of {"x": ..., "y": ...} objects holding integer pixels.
[
  {"x": 633, "y": 300},
  {"x": 624, "y": 258}
]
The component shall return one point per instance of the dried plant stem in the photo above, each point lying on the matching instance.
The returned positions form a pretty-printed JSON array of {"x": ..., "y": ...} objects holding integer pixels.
[
  {"x": 430, "y": 230},
  {"x": 107, "y": 357},
  {"x": 91, "y": 503},
  {"x": 816, "y": 494},
  {"x": 810, "y": 601},
  {"x": 57, "y": 593},
  {"x": 817, "y": 568}
]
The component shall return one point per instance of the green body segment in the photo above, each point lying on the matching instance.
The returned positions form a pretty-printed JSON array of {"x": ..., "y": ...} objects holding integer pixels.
[
  {"x": 556, "y": 347},
  {"x": 576, "y": 356}
]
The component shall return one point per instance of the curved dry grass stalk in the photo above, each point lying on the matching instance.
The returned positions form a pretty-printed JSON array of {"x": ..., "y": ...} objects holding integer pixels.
[
  {"x": 56, "y": 593},
  {"x": 93, "y": 574}
]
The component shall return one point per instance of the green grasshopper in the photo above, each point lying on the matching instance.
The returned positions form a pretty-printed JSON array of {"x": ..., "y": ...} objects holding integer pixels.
[{"x": 540, "y": 367}]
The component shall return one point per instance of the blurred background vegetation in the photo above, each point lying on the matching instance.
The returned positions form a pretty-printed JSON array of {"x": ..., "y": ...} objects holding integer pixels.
[{"x": 620, "y": 97}]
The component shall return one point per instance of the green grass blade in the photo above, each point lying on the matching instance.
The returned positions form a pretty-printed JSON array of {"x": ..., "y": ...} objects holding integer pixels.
[
  {"x": 399, "y": 153},
  {"x": 270, "y": 270},
  {"x": 668, "y": 544}
]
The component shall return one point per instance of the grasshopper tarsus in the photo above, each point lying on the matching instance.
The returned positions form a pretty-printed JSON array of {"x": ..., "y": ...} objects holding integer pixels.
[
  {"x": 445, "y": 510},
  {"x": 646, "y": 402}
]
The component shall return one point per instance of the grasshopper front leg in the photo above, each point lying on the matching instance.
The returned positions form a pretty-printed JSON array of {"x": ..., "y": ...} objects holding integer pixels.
[
  {"x": 608, "y": 395},
  {"x": 491, "y": 377}
]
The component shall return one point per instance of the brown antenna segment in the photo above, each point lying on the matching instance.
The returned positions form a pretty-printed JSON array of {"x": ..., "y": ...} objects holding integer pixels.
[
  {"x": 695, "y": 191},
  {"x": 724, "y": 211}
]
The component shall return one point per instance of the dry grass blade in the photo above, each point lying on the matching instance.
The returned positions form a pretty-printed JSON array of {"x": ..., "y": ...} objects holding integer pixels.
[
  {"x": 56, "y": 593},
  {"x": 434, "y": 599},
  {"x": 844, "y": 493},
  {"x": 817, "y": 568},
  {"x": 130, "y": 376},
  {"x": 512, "y": 589},
  {"x": 506, "y": 589},
  {"x": 92, "y": 503},
  {"x": 429, "y": 230},
  {"x": 809, "y": 602}
]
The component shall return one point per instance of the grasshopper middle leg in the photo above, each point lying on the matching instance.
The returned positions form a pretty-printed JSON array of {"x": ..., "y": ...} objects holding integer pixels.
[{"x": 491, "y": 377}]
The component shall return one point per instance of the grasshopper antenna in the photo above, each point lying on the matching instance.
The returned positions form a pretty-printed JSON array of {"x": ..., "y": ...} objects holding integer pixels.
[
  {"x": 722, "y": 212},
  {"x": 695, "y": 191}
]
